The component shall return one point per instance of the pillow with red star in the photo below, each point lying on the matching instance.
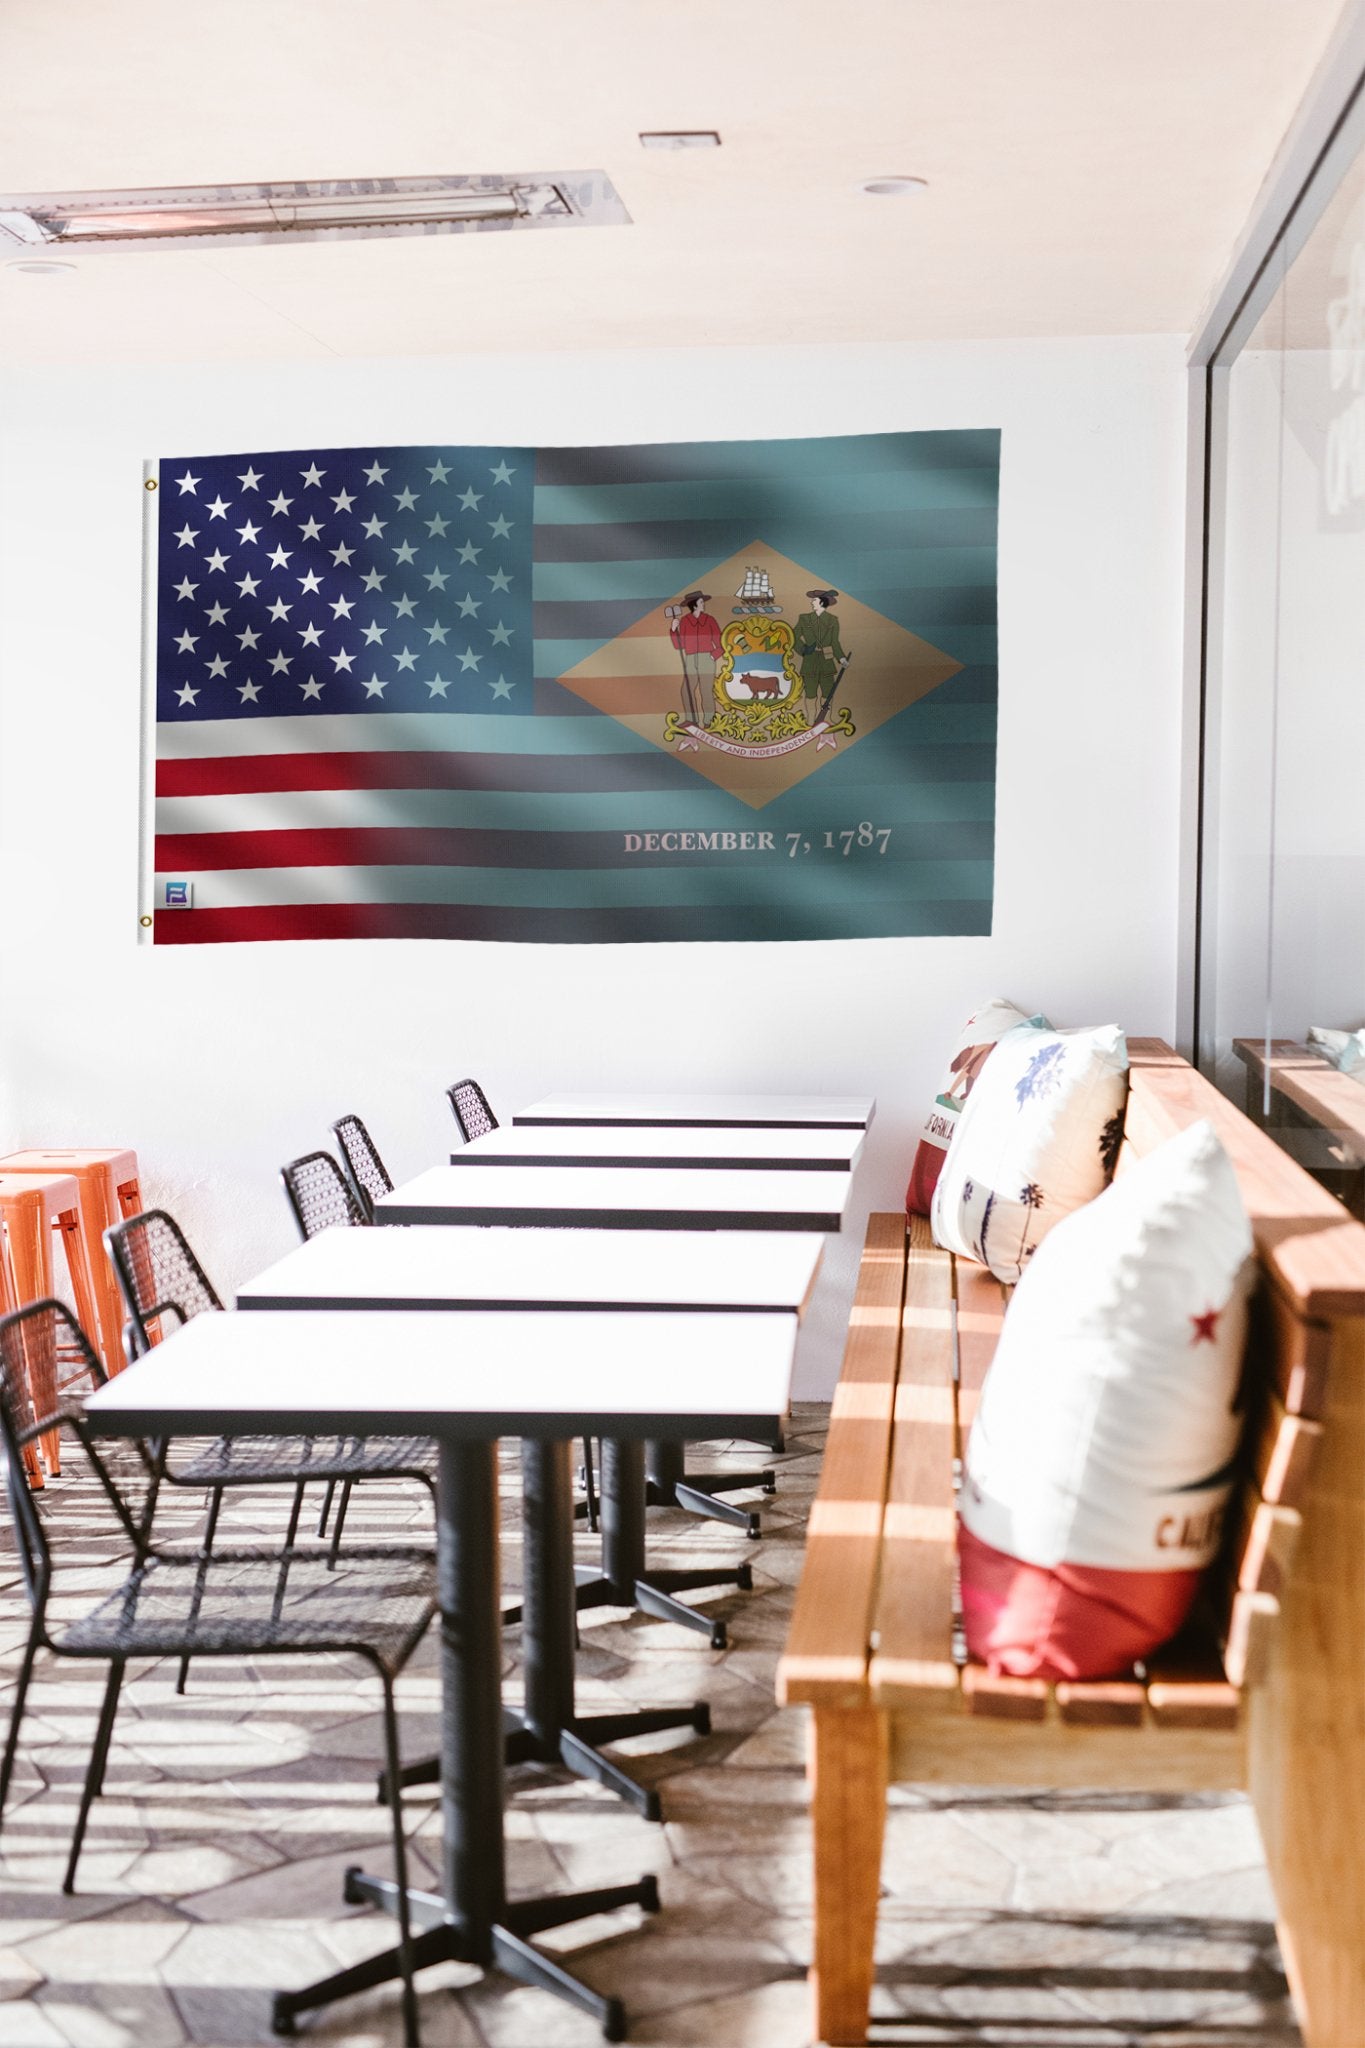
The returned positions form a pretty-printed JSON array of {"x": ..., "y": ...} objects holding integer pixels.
[
  {"x": 973, "y": 1048},
  {"x": 1103, "y": 1455}
]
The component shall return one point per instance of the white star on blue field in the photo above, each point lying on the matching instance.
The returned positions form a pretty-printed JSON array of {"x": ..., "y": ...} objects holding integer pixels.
[{"x": 345, "y": 580}]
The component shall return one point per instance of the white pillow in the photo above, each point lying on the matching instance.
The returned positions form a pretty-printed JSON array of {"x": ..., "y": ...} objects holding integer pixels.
[
  {"x": 1345, "y": 1049},
  {"x": 1107, "y": 1427},
  {"x": 1038, "y": 1136}
]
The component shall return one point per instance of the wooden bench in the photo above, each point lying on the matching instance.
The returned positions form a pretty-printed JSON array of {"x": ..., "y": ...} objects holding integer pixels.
[
  {"x": 1266, "y": 1691},
  {"x": 1316, "y": 1111}
]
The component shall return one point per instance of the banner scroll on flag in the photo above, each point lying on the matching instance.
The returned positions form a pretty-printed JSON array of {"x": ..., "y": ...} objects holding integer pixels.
[{"x": 720, "y": 690}]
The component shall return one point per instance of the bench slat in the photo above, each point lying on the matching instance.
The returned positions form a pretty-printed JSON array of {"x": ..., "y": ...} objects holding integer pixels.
[
  {"x": 1290, "y": 1351},
  {"x": 1187, "y": 1686},
  {"x": 825, "y": 1660},
  {"x": 1264, "y": 1541},
  {"x": 1004, "y": 1699},
  {"x": 1251, "y": 1632},
  {"x": 1282, "y": 1452},
  {"x": 1098, "y": 1703},
  {"x": 914, "y": 1615},
  {"x": 981, "y": 1304}
]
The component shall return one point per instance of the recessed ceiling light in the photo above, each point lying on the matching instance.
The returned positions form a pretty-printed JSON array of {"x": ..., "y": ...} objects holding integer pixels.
[
  {"x": 679, "y": 138},
  {"x": 40, "y": 269},
  {"x": 894, "y": 188}
]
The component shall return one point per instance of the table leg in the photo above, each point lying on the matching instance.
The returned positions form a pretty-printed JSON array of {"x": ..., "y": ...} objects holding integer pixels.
[
  {"x": 472, "y": 1920},
  {"x": 625, "y": 1580},
  {"x": 669, "y": 1484},
  {"x": 551, "y": 1728}
]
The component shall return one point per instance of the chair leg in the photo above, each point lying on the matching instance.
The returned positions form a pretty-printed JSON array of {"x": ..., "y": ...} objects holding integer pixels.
[
  {"x": 589, "y": 1484},
  {"x": 326, "y": 1509},
  {"x": 16, "y": 1715},
  {"x": 411, "y": 2037},
  {"x": 206, "y": 1545},
  {"x": 292, "y": 1527},
  {"x": 94, "y": 1777},
  {"x": 342, "y": 1505}
]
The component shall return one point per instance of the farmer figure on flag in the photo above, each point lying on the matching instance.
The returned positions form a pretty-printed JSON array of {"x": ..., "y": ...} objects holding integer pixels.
[
  {"x": 696, "y": 636},
  {"x": 817, "y": 643}
]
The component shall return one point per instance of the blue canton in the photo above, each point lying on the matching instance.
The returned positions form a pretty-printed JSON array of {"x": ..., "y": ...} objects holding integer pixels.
[{"x": 345, "y": 581}]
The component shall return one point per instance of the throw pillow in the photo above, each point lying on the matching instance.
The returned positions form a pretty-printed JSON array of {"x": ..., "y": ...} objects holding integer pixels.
[
  {"x": 1345, "y": 1049},
  {"x": 1039, "y": 1134},
  {"x": 1101, "y": 1461},
  {"x": 973, "y": 1048}
]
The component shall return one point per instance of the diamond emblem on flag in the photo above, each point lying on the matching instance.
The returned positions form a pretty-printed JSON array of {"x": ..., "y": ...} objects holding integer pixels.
[{"x": 759, "y": 598}]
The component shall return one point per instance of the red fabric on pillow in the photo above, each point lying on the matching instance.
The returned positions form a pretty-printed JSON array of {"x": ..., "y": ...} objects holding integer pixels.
[
  {"x": 1066, "y": 1620},
  {"x": 980, "y": 1034}
]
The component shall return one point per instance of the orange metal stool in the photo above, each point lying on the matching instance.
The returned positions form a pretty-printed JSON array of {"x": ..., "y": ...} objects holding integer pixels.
[
  {"x": 109, "y": 1192},
  {"x": 32, "y": 1206},
  {"x": 9, "y": 1301}
]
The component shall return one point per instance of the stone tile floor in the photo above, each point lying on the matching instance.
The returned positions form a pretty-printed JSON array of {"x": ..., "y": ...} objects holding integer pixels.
[{"x": 212, "y": 1870}]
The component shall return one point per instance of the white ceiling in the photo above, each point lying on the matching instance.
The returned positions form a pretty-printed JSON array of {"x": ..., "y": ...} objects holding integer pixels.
[{"x": 1090, "y": 165}]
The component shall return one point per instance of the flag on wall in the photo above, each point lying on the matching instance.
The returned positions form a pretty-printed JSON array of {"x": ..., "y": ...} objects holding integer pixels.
[{"x": 709, "y": 690}]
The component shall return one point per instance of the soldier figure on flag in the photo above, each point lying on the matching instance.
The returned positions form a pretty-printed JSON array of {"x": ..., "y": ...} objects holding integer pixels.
[
  {"x": 696, "y": 636},
  {"x": 817, "y": 643}
]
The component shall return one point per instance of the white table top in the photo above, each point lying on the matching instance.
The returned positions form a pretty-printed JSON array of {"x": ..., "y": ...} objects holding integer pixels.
[
  {"x": 472, "y": 1377},
  {"x": 619, "y": 1198},
  {"x": 795, "y": 1112},
  {"x": 831, "y": 1149},
  {"x": 440, "y": 1267}
]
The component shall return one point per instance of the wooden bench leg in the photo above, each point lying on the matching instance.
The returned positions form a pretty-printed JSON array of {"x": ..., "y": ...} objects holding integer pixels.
[
  {"x": 1307, "y": 1758},
  {"x": 848, "y": 1772}
]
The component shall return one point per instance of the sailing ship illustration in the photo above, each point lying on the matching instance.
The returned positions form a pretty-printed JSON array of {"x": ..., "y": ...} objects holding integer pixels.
[{"x": 756, "y": 594}]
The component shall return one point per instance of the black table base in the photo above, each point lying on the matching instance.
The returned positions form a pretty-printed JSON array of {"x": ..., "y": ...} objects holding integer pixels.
[
  {"x": 471, "y": 1919},
  {"x": 668, "y": 1484},
  {"x": 437, "y": 1939},
  {"x": 625, "y": 1579},
  {"x": 549, "y": 1729}
]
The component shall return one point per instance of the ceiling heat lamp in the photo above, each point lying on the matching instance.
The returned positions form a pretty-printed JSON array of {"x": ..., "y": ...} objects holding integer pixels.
[{"x": 343, "y": 209}]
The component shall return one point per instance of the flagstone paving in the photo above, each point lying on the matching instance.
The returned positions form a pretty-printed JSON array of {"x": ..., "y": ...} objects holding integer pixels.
[{"x": 213, "y": 1867}]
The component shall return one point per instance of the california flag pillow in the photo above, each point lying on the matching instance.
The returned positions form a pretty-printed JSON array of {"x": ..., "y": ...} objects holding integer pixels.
[
  {"x": 974, "y": 1045},
  {"x": 1038, "y": 1135},
  {"x": 1101, "y": 1459}
]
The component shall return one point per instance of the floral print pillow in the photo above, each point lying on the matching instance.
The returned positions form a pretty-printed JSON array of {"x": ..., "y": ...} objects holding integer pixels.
[{"x": 1038, "y": 1136}]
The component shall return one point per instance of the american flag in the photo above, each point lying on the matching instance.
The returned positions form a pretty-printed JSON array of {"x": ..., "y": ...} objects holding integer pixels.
[
  {"x": 424, "y": 692},
  {"x": 340, "y": 634}
]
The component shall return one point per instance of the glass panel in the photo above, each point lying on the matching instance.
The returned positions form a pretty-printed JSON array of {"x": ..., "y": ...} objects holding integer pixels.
[{"x": 1285, "y": 826}]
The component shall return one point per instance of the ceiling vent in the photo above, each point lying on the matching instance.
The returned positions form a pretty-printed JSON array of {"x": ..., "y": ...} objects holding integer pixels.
[{"x": 341, "y": 209}]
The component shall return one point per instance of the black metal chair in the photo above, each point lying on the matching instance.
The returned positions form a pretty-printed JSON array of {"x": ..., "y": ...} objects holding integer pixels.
[
  {"x": 320, "y": 1194},
  {"x": 228, "y": 1603},
  {"x": 469, "y": 1106},
  {"x": 369, "y": 1176},
  {"x": 161, "y": 1279}
]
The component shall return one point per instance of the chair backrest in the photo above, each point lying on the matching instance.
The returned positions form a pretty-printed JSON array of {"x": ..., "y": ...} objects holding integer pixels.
[
  {"x": 158, "y": 1274},
  {"x": 369, "y": 1175},
  {"x": 47, "y": 1329},
  {"x": 318, "y": 1194},
  {"x": 470, "y": 1107}
]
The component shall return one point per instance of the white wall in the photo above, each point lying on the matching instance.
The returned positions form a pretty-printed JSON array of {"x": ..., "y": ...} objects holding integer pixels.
[{"x": 218, "y": 1063}]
